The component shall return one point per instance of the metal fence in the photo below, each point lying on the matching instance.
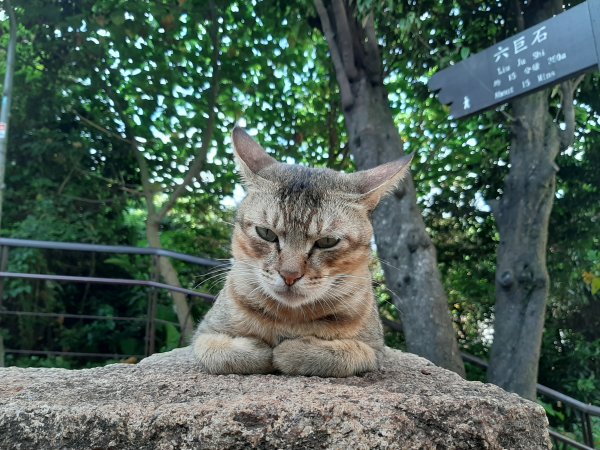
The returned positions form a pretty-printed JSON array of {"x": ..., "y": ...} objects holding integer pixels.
[
  {"x": 153, "y": 284},
  {"x": 584, "y": 411}
]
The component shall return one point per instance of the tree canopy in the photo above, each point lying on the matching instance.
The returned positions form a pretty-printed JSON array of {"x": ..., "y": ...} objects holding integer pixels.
[{"x": 120, "y": 135}]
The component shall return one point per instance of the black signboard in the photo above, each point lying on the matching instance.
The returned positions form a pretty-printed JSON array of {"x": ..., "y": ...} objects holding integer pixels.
[{"x": 542, "y": 55}]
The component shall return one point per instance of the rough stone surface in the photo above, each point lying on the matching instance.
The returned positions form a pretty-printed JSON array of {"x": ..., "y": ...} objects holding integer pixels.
[{"x": 165, "y": 402}]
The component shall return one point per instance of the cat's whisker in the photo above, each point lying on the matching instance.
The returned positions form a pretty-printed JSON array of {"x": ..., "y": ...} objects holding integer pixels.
[
  {"x": 381, "y": 260},
  {"x": 393, "y": 306},
  {"x": 331, "y": 306},
  {"x": 311, "y": 305},
  {"x": 211, "y": 277},
  {"x": 343, "y": 294},
  {"x": 226, "y": 222},
  {"x": 216, "y": 269},
  {"x": 246, "y": 264},
  {"x": 378, "y": 283},
  {"x": 220, "y": 266},
  {"x": 220, "y": 269},
  {"x": 241, "y": 282},
  {"x": 349, "y": 286},
  {"x": 216, "y": 283},
  {"x": 214, "y": 287},
  {"x": 251, "y": 293},
  {"x": 222, "y": 272},
  {"x": 219, "y": 278}
]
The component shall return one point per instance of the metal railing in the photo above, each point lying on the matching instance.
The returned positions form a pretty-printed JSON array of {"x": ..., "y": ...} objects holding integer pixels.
[
  {"x": 583, "y": 410},
  {"x": 153, "y": 284}
]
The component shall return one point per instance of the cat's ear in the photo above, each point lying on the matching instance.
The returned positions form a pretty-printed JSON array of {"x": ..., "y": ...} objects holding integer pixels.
[
  {"x": 251, "y": 157},
  {"x": 374, "y": 183}
]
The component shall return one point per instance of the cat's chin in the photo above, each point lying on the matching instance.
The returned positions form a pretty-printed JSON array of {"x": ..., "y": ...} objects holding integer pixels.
[{"x": 290, "y": 298}]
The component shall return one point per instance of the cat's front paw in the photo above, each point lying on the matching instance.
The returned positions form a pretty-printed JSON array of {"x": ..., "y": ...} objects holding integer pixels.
[
  {"x": 223, "y": 354},
  {"x": 317, "y": 357}
]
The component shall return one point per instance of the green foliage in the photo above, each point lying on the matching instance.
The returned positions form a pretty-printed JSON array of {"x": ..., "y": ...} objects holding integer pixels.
[
  {"x": 459, "y": 175},
  {"x": 566, "y": 422},
  {"x": 111, "y": 70},
  {"x": 95, "y": 72},
  {"x": 591, "y": 279}
]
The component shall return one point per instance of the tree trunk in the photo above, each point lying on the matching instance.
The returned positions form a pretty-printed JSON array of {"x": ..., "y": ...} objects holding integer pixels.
[
  {"x": 522, "y": 217},
  {"x": 170, "y": 276},
  {"x": 408, "y": 255},
  {"x": 156, "y": 215}
]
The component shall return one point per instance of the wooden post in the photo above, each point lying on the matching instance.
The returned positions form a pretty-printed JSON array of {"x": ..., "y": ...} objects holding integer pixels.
[{"x": 151, "y": 313}]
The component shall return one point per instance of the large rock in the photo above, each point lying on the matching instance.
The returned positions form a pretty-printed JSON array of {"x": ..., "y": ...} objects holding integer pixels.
[{"x": 165, "y": 402}]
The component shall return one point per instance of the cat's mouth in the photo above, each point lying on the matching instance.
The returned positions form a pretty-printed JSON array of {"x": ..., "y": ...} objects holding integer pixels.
[
  {"x": 288, "y": 292},
  {"x": 289, "y": 295},
  {"x": 300, "y": 293}
]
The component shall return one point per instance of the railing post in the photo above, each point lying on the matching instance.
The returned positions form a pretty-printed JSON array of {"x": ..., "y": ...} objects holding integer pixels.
[
  {"x": 588, "y": 434},
  {"x": 151, "y": 314}
]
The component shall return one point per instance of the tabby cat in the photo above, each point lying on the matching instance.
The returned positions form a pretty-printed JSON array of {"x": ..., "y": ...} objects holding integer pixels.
[{"x": 298, "y": 299}]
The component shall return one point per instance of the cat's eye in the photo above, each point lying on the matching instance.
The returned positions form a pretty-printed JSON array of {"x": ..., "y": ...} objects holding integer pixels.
[
  {"x": 326, "y": 242},
  {"x": 266, "y": 234}
]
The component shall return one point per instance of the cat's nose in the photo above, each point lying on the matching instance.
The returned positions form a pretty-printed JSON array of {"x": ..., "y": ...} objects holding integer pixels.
[{"x": 290, "y": 277}]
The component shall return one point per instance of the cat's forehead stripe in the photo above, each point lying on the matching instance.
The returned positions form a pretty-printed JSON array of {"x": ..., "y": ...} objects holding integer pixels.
[
  {"x": 296, "y": 218},
  {"x": 304, "y": 204}
]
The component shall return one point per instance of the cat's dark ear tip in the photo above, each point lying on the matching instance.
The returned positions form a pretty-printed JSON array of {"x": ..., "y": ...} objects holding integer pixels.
[{"x": 408, "y": 157}]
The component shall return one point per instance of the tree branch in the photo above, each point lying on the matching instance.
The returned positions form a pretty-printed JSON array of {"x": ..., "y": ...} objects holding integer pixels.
[
  {"x": 112, "y": 134},
  {"x": 508, "y": 117},
  {"x": 519, "y": 17},
  {"x": 144, "y": 172},
  {"x": 94, "y": 201},
  {"x": 139, "y": 155},
  {"x": 344, "y": 38},
  {"x": 568, "y": 89},
  {"x": 120, "y": 183},
  {"x": 340, "y": 73},
  {"x": 200, "y": 159},
  {"x": 144, "y": 175},
  {"x": 373, "y": 56},
  {"x": 65, "y": 181},
  {"x": 357, "y": 33},
  {"x": 101, "y": 128}
]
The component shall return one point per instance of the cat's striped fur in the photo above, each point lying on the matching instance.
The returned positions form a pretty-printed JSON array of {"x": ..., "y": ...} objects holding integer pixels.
[{"x": 292, "y": 302}]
